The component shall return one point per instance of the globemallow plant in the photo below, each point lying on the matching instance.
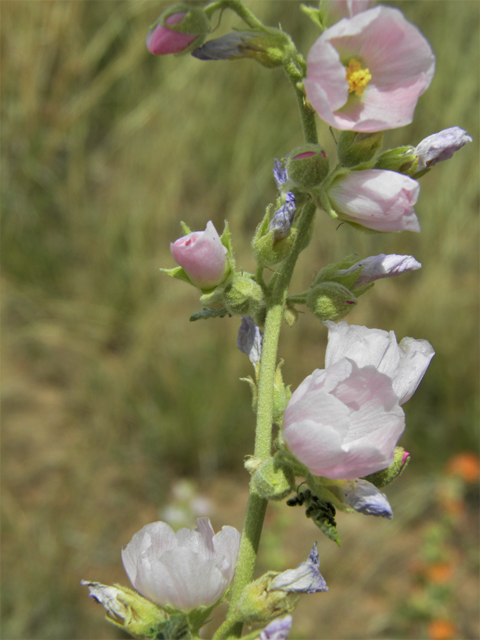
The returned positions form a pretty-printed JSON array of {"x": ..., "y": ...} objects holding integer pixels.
[{"x": 337, "y": 442}]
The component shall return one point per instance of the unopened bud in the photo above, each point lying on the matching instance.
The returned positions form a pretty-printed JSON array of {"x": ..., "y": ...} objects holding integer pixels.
[
  {"x": 179, "y": 29},
  {"x": 400, "y": 462},
  {"x": 330, "y": 301},
  {"x": 274, "y": 480},
  {"x": 307, "y": 166},
  {"x": 244, "y": 296},
  {"x": 402, "y": 160}
]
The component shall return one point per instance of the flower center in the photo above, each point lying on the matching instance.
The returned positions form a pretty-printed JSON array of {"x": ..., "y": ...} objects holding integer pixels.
[{"x": 357, "y": 77}]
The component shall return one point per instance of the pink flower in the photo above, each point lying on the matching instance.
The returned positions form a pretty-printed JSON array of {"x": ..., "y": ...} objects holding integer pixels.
[
  {"x": 367, "y": 72},
  {"x": 344, "y": 421},
  {"x": 376, "y": 199},
  {"x": 161, "y": 41},
  {"x": 338, "y": 9},
  {"x": 202, "y": 256},
  {"x": 184, "y": 570}
]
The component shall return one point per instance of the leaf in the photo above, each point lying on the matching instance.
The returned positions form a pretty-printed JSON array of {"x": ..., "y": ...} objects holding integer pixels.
[
  {"x": 206, "y": 314},
  {"x": 315, "y": 15}
]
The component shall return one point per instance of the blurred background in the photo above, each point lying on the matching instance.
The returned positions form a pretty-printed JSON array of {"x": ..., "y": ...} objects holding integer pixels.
[{"x": 117, "y": 411}]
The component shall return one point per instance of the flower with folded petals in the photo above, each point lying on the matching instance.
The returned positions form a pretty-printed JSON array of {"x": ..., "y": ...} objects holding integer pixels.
[
  {"x": 185, "y": 570},
  {"x": 377, "y": 267},
  {"x": 376, "y": 199},
  {"x": 250, "y": 339},
  {"x": 306, "y": 578},
  {"x": 364, "y": 497},
  {"x": 202, "y": 256},
  {"x": 344, "y": 421},
  {"x": 440, "y": 146},
  {"x": 367, "y": 72}
]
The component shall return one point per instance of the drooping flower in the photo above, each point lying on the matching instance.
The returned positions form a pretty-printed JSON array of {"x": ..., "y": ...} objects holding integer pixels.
[
  {"x": 364, "y": 497},
  {"x": 161, "y": 40},
  {"x": 250, "y": 339},
  {"x": 202, "y": 256},
  {"x": 282, "y": 220},
  {"x": 306, "y": 578},
  {"x": 277, "y": 629},
  {"x": 184, "y": 570},
  {"x": 440, "y": 146},
  {"x": 367, "y": 72},
  {"x": 376, "y": 199},
  {"x": 344, "y": 421}
]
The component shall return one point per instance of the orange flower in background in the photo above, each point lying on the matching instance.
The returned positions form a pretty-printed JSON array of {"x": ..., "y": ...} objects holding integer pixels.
[
  {"x": 466, "y": 465},
  {"x": 441, "y": 630},
  {"x": 440, "y": 573}
]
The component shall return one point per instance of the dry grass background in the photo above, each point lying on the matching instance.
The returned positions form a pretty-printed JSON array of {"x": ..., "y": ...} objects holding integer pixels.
[{"x": 109, "y": 392}]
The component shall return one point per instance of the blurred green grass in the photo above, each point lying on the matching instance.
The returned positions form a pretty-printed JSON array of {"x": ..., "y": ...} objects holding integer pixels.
[{"x": 108, "y": 389}]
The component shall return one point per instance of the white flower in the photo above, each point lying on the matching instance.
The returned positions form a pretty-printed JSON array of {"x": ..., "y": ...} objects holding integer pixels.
[{"x": 184, "y": 570}]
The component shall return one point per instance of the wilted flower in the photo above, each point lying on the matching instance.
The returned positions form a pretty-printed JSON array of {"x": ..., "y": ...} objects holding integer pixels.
[
  {"x": 184, "y": 570},
  {"x": 161, "y": 40},
  {"x": 345, "y": 420},
  {"x": 250, "y": 339},
  {"x": 381, "y": 266},
  {"x": 277, "y": 629},
  {"x": 376, "y": 199},
  {"x": 281, "y": 223},
  {"x": 367, "y": 72},
  {"x": 440, "y": 146},
  {"x": 202, "y": 256},
  {"x": 306, "y": 578},
  {"x": 364, "y": 497}
]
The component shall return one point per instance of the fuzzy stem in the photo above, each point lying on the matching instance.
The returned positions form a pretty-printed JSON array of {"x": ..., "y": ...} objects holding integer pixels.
[{"x": 240, "y": 9}]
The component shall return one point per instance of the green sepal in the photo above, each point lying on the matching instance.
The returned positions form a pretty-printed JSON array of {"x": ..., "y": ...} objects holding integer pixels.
[
  {"x": 402, "y": 160},
  {"x": 330, "y": 301},
  {"x": 243, "y": 296},
  {"x": 381, "y": 478},
  {"x": 185, "y": 228},
  {"x": 175, "y": 628},
  {"x": 273, "y": 479},
  {"x": 356, "y": 148},
  {"x": 315, "y": 15},
  {"x": 178, "y": 273},
  {"x": 253, "y": 388},
  {"x": 206, "y": 314}
]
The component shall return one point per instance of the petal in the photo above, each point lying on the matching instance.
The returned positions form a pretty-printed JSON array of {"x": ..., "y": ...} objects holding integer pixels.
[
  {"x": 366, "y": 498},
  {"x": 381, "y": 266},
  {"x": 415, "y": 358},
  {"x": 306, "y": 578}
]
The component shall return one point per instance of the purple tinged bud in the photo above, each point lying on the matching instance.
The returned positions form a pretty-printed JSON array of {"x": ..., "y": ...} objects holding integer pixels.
[
  {"x": 440, "y": 146},
  {"x": 250, "y": 339},
  {"x": 306, "y": 578},
  {"x": 227, "y": 47},
  {"x": 161, "y": 40},
  {"x": 279, "y": 173},
  {"x": 367, "y": 499},
  {"x": 308, "y": 154},
  {"x": 277, "y": 629},
  {"x": 282, "y": 220}
]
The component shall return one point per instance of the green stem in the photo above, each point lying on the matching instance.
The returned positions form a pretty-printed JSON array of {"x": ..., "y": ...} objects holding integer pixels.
[{"x": 240, "y": 9}]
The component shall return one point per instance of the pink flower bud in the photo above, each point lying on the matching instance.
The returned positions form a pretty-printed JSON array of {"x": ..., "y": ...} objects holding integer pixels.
[
  {"x": 376, "y": 199},
  {"x": 202, "y": 256},
  {"x": 161, "y": 40},
  {"x": 367, "y": 72}
]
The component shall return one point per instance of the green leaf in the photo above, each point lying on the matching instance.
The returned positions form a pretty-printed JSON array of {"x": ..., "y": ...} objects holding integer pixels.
[
  {"x": 315, "y": 15},
  {"x": 178, "y": 273},
  {"x": 206, "y": 314}
]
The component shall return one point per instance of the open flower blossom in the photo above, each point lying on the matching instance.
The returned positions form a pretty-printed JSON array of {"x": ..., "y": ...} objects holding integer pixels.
[
  {"x": 202, "y": 256},
  {"x": 344, "y": 421},
  {"x": 185, "y": 570},
  {"x": 377, "y": 199},
  {"x": 161, "y": 40},
  {"x": 367, "y": 72},
  {"x": 440, "y": 146}
]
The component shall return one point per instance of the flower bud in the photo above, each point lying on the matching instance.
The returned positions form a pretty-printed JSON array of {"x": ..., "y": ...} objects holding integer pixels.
[
  {"x": 402, "y": 159},
  {"x": 258, "y": 604},
  {"x": 355, "y": 147},
  {"x": 268, "y": 47},
  {"x": 330, "y": 301},
  {"x": 243, "y": 296},
  {"x": 127, "y": 609},
  {"x": 179, "y": 29},
  {"x": 274, "y": 480},
  {"x": 307, "y": 166},
  {"x": 202, "y": 256}
]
